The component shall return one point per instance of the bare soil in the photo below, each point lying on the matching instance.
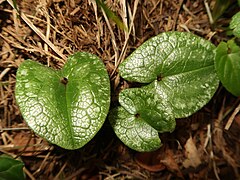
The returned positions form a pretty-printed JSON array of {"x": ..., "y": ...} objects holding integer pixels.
[{"x": 48, "y": 31}]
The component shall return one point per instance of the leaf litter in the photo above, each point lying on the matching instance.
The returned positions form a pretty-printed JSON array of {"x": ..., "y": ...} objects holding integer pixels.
[{"x": 70, "y": 26}]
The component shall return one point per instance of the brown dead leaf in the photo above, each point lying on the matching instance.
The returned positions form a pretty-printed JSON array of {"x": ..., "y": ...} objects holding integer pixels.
[
  {"x": 192, "y": 155},
  {"x": 29, "y": 145},
  {"x": 171, "y": 163},
  {"x": 149, "y": 161}
]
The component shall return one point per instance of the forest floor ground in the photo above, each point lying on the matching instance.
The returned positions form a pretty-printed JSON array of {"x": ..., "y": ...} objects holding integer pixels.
[{"x": 199, "y": 148}]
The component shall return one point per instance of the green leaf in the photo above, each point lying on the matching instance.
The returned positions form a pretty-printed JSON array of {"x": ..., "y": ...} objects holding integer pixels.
[
  {"x": 151, "y": 105},
  {"x": 67, "y": 107},
  {"x": 134, "y": 131},
  {"x": 228, "y": 66},
  {"x": 235, "y": 24},
  {"x": 11, "y": 168},
  {"x": 183, "y": 66},
  {"x": 178, "y": 76},
  {"x": 220, "y": 7},
  {"x": 111, "y": 15}
]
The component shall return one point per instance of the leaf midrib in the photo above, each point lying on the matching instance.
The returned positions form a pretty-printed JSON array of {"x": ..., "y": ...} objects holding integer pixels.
[
  {"x": 186, "y": 72},
  {"x": 68, "y": 106}
]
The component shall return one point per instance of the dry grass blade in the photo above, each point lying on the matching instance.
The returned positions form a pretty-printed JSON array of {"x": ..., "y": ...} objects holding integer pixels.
[
  {"x": 4, "y": 72},
  {"x": 28, "y": 173},
  {"x": 123, "y": 52},
  {"x": 208, "y": 12},
  {"x": 124, "y": 15},
  {"x": 115, "y": 47},
  {"x": 230, "y": 120},
  {"x": 177, "y": 14},
  {"x": 39, "y": 33},
  {"x": 221, "y": 143}
]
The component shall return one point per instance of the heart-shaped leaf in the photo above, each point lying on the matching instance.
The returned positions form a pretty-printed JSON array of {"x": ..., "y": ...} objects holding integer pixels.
[
  {"x": 228, "y": 66},
  {"x": 67, "y": 107},
  {"x": 11, "y": 168},
  {"x": 134, "y": 131},
  {"x": 183, "y": 65},
  {"x": 149, "y": 104},
  {"x": 143, "y": 114}
]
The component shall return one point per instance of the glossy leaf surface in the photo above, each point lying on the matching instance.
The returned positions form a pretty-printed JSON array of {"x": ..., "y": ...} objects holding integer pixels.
[
  {"x": 178, "y": 76},
  {"x": 228, "y": 66},
  {"x": 134, "y": 131},
  {"x": 151, "y": 105},
  {"x": 143, "y": 114},
  {"x": 235, "y": 24},
  {"x": 183, "y": 65},
  {"x": 11, "y": 168},
  {"x": 67, "y": 107}
]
